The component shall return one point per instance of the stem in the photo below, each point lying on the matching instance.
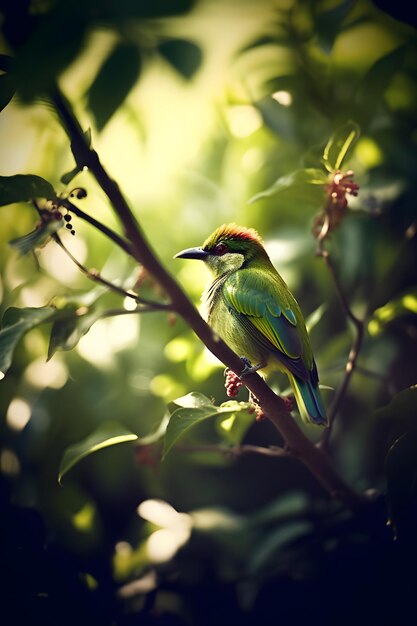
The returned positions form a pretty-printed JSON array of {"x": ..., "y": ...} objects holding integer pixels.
[
  {"x": 237, "y": 451},
  {"x": 96, "y": 277},
  {"x": 359, "y": 327},
  {"x": 108, "y": 232},
  {"x": 297, "y": 444}
]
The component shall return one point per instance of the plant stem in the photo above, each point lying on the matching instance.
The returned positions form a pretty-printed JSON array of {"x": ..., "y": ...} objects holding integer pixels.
[
  {"x": 359, "y": 328},
  {"x": 96, "y": 277},
  {"x": 297, "y": 444}
]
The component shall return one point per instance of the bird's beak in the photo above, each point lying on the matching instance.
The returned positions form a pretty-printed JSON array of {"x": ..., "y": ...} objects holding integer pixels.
[{"x": 192, "y": 253}]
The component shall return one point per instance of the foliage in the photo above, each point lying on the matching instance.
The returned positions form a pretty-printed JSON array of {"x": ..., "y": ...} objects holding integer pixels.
[{"x": 204, "y": 517}]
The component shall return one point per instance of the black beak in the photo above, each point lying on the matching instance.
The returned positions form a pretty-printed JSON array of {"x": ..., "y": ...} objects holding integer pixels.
[{"x": 192, "y": 253}]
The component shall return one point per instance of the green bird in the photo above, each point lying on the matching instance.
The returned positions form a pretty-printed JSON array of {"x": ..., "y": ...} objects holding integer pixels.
[{"x": 251, "y": 308}]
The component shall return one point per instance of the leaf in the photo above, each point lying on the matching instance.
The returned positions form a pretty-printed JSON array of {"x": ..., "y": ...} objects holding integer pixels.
[
  {"x": 7, "y": 90},
  {"x": 107, "y": 434},
  {"x": 265, "y": 557},
  {"x": 371, "y": 90},
  {"x": 113, "y": 82},
  {"x": 339, "y": 145},
  {"x": 184, "y": 56},
  {"x": 16, "y": 322},
  {"x": 234, "y": 427},
  {"x": 328, "y": 24},
  {"x": 36, "y": 237},
  {"x": 314, "y": 318},
  {"x": 398, "y": 307},
  {"x": 67, "y": 331},
  {"x": 193, "y": 400},
  {"x": 24, "y": 187},
  {"x": 402, "y": 406},
  {"x": 309, "y": 176},
  {"x": 194, "y": 408}
]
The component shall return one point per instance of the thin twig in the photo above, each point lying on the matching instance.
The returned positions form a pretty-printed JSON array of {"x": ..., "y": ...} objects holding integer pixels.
[
  {"x": 108, "y": 232},
  {"x": 359, "y": 327},
  {"x": 95, "y": 276},
  {"x": 236, "y": 451}
]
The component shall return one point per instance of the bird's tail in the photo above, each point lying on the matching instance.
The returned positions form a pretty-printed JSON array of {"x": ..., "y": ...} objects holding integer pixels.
[{"x": 309, "y": 401}]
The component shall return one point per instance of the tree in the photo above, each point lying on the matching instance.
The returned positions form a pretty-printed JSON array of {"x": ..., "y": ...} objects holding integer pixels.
[{"x": 298, "y": 111}]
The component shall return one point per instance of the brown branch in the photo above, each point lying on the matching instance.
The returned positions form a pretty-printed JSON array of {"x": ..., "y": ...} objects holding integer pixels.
[
  {"x": 108, "y": 232},
  {"x": 297, "y": 444},
  {"x": 359, "y": 327},
  {"x": 94, "y": 275},
  {"x": 237, "y": 451}
]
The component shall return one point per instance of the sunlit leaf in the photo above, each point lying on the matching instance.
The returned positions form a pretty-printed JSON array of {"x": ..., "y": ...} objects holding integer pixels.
[
  {"x": 403, "y": 305},
  {"x": 16, "y": 322},
  {"x": 185, "y": 56},
  {"x": 339, "y": 145},
  {"x": 36, "y": 237},
  {"x": 193, "y": 400},
  {"x": 195, "y": 408},
  {"x": 113, "y": 82},
  {"x": 234, "y": 427},
  {"x": 308, "y": 176},
  {"x": 106, "y": 435},
  {"x": 24, "y": 187}
]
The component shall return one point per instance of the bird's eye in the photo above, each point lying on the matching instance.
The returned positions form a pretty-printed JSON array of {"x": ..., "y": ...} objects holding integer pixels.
[{"x": 221, "y": 249}]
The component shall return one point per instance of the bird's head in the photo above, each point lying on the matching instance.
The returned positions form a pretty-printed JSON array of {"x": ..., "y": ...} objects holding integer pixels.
[{"x": 228, "y": 249}]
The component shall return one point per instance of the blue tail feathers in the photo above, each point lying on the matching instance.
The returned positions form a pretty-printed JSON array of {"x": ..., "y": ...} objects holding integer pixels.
[{"x": 309, "y": 401}]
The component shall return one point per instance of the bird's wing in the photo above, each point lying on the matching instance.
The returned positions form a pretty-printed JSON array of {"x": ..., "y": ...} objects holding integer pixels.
[{"x": 266, "y": 312}]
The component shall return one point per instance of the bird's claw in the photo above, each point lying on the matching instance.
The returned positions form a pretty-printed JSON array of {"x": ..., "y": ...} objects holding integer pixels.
[{"x": 248, "y": 367}]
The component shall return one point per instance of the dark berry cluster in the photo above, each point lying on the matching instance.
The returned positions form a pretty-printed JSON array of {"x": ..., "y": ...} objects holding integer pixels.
[
  {"x": 232, "y": 383},
  {"x": 68, "y": 224}
]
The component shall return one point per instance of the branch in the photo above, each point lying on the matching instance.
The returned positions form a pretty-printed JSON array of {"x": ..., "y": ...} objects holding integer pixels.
[
  {"x": 297, "y": 444},
  {"x": 237, "y": 451},
  {"x": 94, "y": 275},
  {"x": 356, "y": 344},
  {"x": 108, "y": 232}
]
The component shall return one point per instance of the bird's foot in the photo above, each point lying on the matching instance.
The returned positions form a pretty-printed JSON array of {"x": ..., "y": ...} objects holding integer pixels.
[{"x": 249, "y": 368}]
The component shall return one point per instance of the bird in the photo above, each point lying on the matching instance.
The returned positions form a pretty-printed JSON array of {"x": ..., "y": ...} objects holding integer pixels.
[{"x": 249, "y": 305}]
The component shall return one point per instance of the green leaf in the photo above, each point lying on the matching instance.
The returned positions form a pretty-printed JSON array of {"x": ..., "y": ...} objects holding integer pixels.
[
  {"x": 36, "y": 237},
  {"x": 384, "y": 315},
  {"x": 23, "y": 188},
  {"x": 185, "y": 56},
  {"x": 308, "y": 176},
  {"x": 68, "y": 329},
  {"x": 16, "y": 322},
  {"x": 115, "y": 79},
  {"x": 314, "y": 318},
  {"x": 339, "y": 145},
  {"x": 329, "y": 22},
  {"x": 402, "y": 406},
  {"x": 107, "y": 434},
  {"x": 194, "y": 408},
  {"x": 371, "y": 90},
  {"x": 234, "y": 427}
]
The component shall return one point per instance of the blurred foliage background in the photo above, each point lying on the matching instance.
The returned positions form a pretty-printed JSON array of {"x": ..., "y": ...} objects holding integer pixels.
[{"x": 194, "y": 108}]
